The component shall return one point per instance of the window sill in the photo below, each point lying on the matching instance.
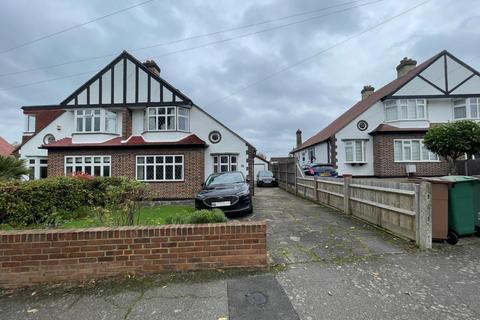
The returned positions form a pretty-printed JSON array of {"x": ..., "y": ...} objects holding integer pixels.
[
  {"x": 163, "y": 181},
  {"x": 401, "y": 120},
  {"x": 161, "y": 131},
  {"x": 354, "y": 163},
  {"x": 96, "y": 132},
  {"x": 418, "y": 161}
]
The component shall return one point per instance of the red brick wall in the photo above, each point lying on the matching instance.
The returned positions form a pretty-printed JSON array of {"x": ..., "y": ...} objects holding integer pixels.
[
  {"x": 385, "y": 166},
  {"x": 126, "y": 123},
  {"x": 40, "y": 256},
  {"x": 123, "y": 164}
]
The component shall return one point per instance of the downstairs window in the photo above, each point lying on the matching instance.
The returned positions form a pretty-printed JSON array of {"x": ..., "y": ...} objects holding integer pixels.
[
  {"x": 355, "y": 151},
  {"x": 98, "y": 166},
  {"x": 160, "y": 168},
  {"x": 225, "y": 163},
  {"x": 412, "y": 151}
]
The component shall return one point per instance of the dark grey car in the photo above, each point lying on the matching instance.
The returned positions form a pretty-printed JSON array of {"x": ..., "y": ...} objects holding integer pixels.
[{"x": 266, "y": 178}]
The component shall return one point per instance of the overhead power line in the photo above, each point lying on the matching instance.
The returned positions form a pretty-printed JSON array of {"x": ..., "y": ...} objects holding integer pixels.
[
  {"x": 50, "y": 35},
  {"x": 195, "y": 37},
  {"x": 316, "y": 54},
  {"x": 200, "y": 46}
]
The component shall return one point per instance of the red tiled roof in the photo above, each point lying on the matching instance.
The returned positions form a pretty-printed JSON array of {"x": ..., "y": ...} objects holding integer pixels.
[
  {"x": 133, "y": 141},
  {"x": 363, "y": 105},
  {"x": 6, "y": 148}
]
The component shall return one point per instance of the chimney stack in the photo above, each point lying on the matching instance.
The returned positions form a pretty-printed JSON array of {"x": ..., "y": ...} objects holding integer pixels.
[
  {"x": 406, "y": 64},
  {"x": 299, "y": 138},
  {"x": 367, "y": 91},
  {"x": 152, "y": 66}
]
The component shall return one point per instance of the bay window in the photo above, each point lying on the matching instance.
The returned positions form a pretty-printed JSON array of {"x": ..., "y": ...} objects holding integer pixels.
[
  {"x": 225, "y": 163},
  {"x": 405, "y": 109},
  {"x": 167, "y": 119},
  {"x": 160, "y": 168},
  {"x": 98, "y": 166},
  {"x": 355, "y": 151},
  {"x": 95, "y": 120},
  {"x": 466, "y": 108},
  {"x": 412, "y": 150}
]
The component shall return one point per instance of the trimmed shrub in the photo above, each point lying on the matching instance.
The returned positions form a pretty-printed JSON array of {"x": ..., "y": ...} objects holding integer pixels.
[
  {"x": 199, "y": 216},
  {"x": 47, "y": 201}
]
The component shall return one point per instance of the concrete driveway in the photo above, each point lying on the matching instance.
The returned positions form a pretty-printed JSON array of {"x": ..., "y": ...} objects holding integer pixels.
[{"x": 301, "y": 231}]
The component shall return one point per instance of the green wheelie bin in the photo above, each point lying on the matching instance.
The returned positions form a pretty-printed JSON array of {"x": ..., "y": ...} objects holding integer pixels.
[
  {"x": 476, "y": 205},
  {"x": 461, "y": 207}
]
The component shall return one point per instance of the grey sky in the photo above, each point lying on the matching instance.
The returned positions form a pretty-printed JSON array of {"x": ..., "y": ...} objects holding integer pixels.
[{"x": 306, "y": 97}]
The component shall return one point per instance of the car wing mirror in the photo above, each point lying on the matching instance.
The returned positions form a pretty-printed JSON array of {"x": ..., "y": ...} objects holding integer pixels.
[{"x": 247, "y": 180}]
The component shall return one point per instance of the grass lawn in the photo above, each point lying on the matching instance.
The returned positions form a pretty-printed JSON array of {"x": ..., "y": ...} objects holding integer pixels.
[{"x": 154, "y": 215}]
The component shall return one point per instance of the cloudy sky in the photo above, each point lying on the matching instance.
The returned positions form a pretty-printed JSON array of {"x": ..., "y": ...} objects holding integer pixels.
[{"x": 267, "y": 113}]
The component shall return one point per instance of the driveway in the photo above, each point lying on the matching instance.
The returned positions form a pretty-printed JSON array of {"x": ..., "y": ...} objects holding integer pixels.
[
  {"x": 301, "y": 231},
  {"x": 325, "y": 266}
]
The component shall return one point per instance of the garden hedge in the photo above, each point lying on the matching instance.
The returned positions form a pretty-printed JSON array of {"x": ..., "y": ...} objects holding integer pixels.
[{"x": 43, "y": 201}]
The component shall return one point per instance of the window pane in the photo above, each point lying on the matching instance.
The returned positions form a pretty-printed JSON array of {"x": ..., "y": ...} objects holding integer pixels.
[
  {"x": 97, "y": 159},
  {"x": 152, "y": 123},
  {"x": 171, "y": 123},
  {"x": 425, "y": 153},
  {"x": 178, "y": 172},
  {"x": 79, "y": 124},
  {"x": 150, "y": 159},
  {"x": 178, "y": 159},
  {"x": 43, "y": 172},
  {"x": 398, "y": 151},
  {"x": 182, "y": 123},
  {"x": 97, "y": 171},
  {"x": 412, "y": 109},
  {"x": 223, "y": 168},
  {"x": 161, "y": 123},
  {"x": 416, "y": 150},
  {"x": 169, "y": 172},
  {"x": 141, "y": 160},
  {"x": 159, "y": 159},
  {"x": 140, "y": 172},
  {"x": 473, "y": 108},
  {"x": 69, "y": 170},
  {"x": 106, "y": 171},
  {"x": 404, "y": 112},
  {"x": 69, "y": 160},
  {"x": 224, "y": 159},
  {"x": 88, "y": 124},
  {"x": 88, "y": 159},
  {"x": 460, "y": 112},
  {"x": 349, "y": 153},
  {"x": 407, "y": 152},
  {"x": 358, "y": 151},
  {"x": 106, "y": 159},
  {"x": 159, "y": 173},
  {"x": 421, "y": 111},
  {"x": 169, "y": 159},
  {"x": 78, "y": 160},
  {"x": 149, "y": 174},
  {"x": 234, "y": 167},
  {"x": 233, "y": 159},
  {"x": 88, "y": 170}
]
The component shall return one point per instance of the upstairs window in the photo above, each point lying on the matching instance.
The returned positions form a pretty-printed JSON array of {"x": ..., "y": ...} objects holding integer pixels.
[
  {"x": 95, "y": 120},
  {"x": 412, "y": 151},
  {"x": 405, "y": 109},
  {"x": 466, "y": 108},
  {"x": 30, "y": 123},
  {"x": 167, "y": 119},
  {"x": 355, "y": 151}
]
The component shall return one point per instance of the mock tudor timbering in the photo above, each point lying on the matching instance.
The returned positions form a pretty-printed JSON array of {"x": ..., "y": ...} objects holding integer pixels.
[{"x": 128, "y": 121}]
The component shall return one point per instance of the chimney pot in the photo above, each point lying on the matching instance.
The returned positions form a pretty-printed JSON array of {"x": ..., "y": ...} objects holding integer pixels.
[
  {"x": 367, "y": 91},
  {"x": 405, "y": 65},
  {"x": 299, "y": 138},
  {"x": 152, "y": 66}
]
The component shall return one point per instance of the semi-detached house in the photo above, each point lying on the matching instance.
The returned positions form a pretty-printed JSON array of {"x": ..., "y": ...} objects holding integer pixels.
[
  {"x": 128, "y": 121},
  {"x": 382, "y": 134}
]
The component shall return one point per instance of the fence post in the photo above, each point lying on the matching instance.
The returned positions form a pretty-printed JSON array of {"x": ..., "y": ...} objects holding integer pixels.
[
  {"x": 347, "y": 179},
  {"x": 424, "y": 216},
  {"x": 315, "y": 187},
  {"x": 295, "y": 175}
]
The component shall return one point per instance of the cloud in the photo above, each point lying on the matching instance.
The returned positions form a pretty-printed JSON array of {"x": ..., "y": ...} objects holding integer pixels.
[{"x": 267, "y": 114}]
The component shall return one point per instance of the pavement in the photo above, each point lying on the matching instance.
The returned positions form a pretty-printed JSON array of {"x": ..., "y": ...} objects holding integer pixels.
[{"x": 325, "y": 265}]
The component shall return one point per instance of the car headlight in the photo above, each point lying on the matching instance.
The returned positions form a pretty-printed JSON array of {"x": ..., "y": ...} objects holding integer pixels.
[
  {"x": 273, "y": 179},
  {"x": 244, "y": 192}
]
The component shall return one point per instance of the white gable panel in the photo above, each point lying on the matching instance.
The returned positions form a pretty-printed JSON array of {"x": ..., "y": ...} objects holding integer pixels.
[
  {"x": 130, "y": 82},
  {"x": 167, "y": 95},
  {"x": 472, "y": 86},
  {"x": 154, "y": 90},
  {"x": 417, "y": 87},
  {"x": 142, "y": 86},
  {"x": 107, "y": 87},
  {"x": 71, "y": 102},
  {"x": 94, "y": 92},
  {"x": 118, "y": 83},
  {"x": 436, "y": 73},
  {"x": 82, "y": 97},
  {"x": 456, "y": 73}
]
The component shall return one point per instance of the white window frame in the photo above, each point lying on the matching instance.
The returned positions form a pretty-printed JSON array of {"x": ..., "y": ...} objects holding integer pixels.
[
  {"x": 104, "y": 161},
  {"x": 403, "y": 110},
  {"x": 105, "y": 117},
  {"x": 408, "y": 143},
  {"x": 185, "y": 116},
  {"x": 354, "y": 144},
  {"x": 468, "y": 104},
  {"x": 30, "y": 120},
  {"x": 157, "y": 115},
  {"x": 231, "y": 163},
  {"x": 159, "y": 161}
]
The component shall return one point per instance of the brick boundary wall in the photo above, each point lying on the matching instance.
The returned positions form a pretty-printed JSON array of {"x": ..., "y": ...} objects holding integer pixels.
[{"x": 44, "y": 256}]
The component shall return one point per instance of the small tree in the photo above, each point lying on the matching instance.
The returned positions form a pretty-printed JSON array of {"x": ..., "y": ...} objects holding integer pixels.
[
  {"x": 453, "y": 140},
  {"x": 12, "y": 168}
]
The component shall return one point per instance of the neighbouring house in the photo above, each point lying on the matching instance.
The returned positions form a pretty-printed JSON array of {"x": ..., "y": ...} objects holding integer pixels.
[
  {"x": 259, "y": 164},
  {"x": 128, "y": 121},
  {"x": 6, "y": 148},
  {"x": 382, "y": 134}
]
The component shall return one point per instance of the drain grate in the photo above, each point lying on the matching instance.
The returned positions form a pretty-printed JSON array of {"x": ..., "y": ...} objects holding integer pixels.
[{"x": 256, "y": 298}]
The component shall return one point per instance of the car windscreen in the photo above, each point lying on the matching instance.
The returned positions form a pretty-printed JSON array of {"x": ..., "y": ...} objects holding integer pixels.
[
  {"x": 225, "y": 178},
  {"x": 265, "y": 174},
  {"x": 323, "y": 169}
]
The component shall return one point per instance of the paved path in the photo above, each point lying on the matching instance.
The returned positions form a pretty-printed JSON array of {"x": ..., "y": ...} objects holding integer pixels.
[{"x": 329, "y": 265}]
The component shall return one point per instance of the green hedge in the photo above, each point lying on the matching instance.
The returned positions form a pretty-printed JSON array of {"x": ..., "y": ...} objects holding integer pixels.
[
  {"x": 46, "y": 200},
  {"x": 199, "y": 216}
]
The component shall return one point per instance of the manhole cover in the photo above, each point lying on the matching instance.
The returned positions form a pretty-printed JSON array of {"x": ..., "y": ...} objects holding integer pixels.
[{"x": 256, "y": 298}]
